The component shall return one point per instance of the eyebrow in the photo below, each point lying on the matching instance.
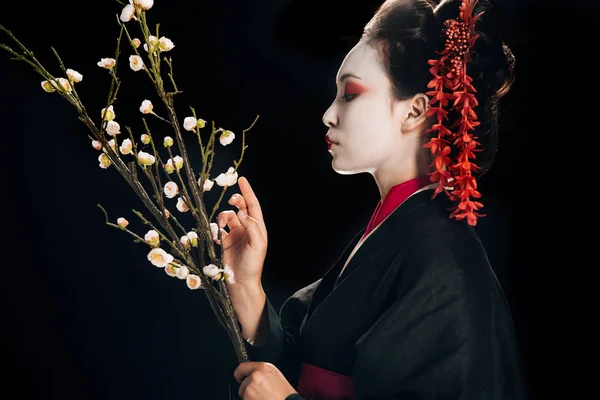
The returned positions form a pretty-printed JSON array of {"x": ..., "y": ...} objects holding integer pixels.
[{"x": 348, "y": 75}]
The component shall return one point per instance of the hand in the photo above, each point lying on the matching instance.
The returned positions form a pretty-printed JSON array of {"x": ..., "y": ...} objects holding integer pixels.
[
  {"x": 261, "y": 381},
  {"x": 245, "y": 245}
]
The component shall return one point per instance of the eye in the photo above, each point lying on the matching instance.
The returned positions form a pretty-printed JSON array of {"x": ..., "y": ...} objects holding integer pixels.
[{"x": 348, "y": 97}]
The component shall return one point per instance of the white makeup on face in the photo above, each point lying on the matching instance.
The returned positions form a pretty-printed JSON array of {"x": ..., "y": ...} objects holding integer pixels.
[{"x": 360, "y": 119}]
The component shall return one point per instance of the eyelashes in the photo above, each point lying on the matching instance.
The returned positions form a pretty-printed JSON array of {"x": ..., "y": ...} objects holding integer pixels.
[{"x": 348, "y": 97}]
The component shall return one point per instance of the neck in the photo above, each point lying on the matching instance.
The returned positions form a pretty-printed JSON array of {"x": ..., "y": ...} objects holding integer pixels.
[{"x": 386, "y": 178}]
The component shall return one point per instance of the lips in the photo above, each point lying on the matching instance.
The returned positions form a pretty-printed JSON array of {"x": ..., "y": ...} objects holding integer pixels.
[{"x": 329, "y": 141}]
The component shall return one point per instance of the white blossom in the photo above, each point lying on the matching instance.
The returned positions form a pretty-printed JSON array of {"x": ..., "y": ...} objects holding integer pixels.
[
  {"x": 145, "y": 138},
  {"x": 211, "y": 270},
  {"x": 159, "y": 258},
  {"x": 108, "y": 113},
  {"x": 146, "y": 107},
  {"x": 107, "y": 63},
  {"x": 153, "y": 41},
  {"x": 113, "y": 128},
  {"x": 226, "y": 137},
  {"x": 136, "y": 63},
  {"x": 126, "y": 147},
  {"x": 127, "y": 13},
  {"x": 214, "y": 230},
  {"x": 112, "y": 144},
  {"x": 74, "y": 76},
  {"x": 178, "y": 161},
  {"x": 64, "y": 83},
  {"x": 171, "y": 190},
  {"x": 208, "y": 184},
  {"x": 143, "y": 4},
  {"x": 165, "y": 44},
  {"x": 181, "y": 206},
  {"x": 168, "y": 141},
  {"x": 185, "y": 241},
  {"x": 189, "y": 123},
  {"x": 227, "y": 179},
  {"x": 152, "y": 238},
  {"x": 183, "y": 272},
  {"x": 193, "y": 281},
  {"x": 146, "y": 158},
  {"x": 169, "y": 166},
  {"x": 229, "y": 276},
  {"x": 122, "y": 222},
  {"x": 104, "y": 161},
  {"x": 193, "y": 238},
  {"x": 96, "y": 145}
]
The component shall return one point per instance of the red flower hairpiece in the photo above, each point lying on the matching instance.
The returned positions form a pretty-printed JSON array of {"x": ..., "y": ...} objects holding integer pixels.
[{"x": 453, "y": 97}]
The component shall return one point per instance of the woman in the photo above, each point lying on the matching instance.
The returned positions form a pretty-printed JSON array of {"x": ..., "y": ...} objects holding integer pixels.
[{"x": 411, "y": 309}]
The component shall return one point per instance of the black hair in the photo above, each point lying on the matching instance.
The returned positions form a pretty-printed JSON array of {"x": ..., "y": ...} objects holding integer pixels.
[{"x": 407, "y": 33}]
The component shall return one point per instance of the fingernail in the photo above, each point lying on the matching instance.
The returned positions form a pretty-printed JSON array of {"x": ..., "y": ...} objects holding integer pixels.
[{"x": 242, "y": 214}]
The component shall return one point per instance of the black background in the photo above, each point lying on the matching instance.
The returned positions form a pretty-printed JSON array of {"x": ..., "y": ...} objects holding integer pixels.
[{"x": 87, "y": 316}]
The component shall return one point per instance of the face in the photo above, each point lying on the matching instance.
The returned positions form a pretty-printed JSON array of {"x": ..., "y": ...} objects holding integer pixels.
[{"x": 363, "y": 125}]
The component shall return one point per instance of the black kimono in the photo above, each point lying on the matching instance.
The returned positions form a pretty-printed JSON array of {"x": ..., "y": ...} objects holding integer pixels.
[{"x": 416, "y": 314}]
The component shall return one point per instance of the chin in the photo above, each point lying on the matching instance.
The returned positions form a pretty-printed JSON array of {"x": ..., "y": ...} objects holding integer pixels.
[{"x": 345, "y": 169}]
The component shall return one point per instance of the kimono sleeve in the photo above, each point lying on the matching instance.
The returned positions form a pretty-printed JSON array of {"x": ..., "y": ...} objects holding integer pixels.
[
  {"x": 447, "y": 335},
  {"x": 283, "y": 347}
]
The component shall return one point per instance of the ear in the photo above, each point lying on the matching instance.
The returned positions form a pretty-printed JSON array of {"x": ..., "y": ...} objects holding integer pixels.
[{"x": 415, "y": 116}]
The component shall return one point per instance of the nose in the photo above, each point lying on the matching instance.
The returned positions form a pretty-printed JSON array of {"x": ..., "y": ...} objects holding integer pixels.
[{"x": 330, "y": 118}]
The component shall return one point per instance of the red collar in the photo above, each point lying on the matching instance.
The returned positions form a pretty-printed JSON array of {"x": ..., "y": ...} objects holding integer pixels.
[{"x": 393, "y": 199}]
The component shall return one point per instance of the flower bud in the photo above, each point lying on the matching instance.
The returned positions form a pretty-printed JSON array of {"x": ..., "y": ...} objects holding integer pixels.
[
  {"x": 152, "y": 238},
  {"x": 122, "y": 222},
  {"x": 136, "y": 63},
  {"x": 167, "y": 213},
  {"x": 126, "y": 147},
  {"x": 169, "y": 167},
  {"x": 66, "y": 85},
  {"x": 136, "y": 42},
  {"x": 171, "y": 270},
  {"x": 229, "y": 276},
  {"x": 181, "y": 206},
  {"x": 178, "y": 161},
  {"x": 183, "y": 272},
  {"x": 48, "y": 87},
  {"x": 201, "y": 123},
  {"x": 185, "y": 241},
  {"x": 146, "y": 107},
  {"x": 127, "y": 13},
  {"x": 113, "y": 128},
  {"x": 226, "y": 138},
  {"x": 96, "y": 145},
  {"x": 143, "y": 4},
  {"x": 208, "y": 184},
  {"x": 168, "y": 142},
  {"x": 193, "y": 238},
  {"x": 108, "y": 114},
  {"x": 189, "y": 123},
  {"x": 74, "y": 76},
  {"x": 171, "y": 189},
  {"x": 112, "y": 144},
  {"x": 104, "y": 161},
  {"x": 146, "y": 138},
  {"x": 145, "y": 158}
]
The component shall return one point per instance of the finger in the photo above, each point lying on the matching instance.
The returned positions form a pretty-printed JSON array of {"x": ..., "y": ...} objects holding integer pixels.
[
  {"x": 256, "y": 236},
  {"x": 244, "y": 386},
  {"x": 228, "y": 218},
  {"x": 238, "y": 201},
  {"x": 252, "y": 203},
  {"x": 244, "y": 369}
]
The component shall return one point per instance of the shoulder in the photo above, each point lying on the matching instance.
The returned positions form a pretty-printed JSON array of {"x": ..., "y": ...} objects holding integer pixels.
[{"x": 442, "y": 253}]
